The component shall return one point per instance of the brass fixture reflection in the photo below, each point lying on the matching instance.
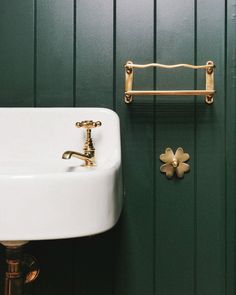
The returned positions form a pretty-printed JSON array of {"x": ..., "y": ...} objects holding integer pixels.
[
  {"x": 174, "y": 163},
  {"x": 31, "y": 267},
  {"x": 20, "y": 270},
  {"x": 89, "y": 150},
  {"x": 208, "y": 92}
]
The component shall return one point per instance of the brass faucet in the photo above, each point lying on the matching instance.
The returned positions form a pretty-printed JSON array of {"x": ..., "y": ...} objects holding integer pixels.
[{"x": 89, "y": 150}]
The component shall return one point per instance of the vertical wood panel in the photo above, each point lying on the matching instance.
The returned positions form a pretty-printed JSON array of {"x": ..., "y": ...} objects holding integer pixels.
[
  {"x": 54, "y": 87},
  {"x": 93, "y": 256},
  {"x": 230, "y": 145},
  {"x": 16, "y": 53},
  {"x": 134, "y": 264},
  {"x": 54, "y": 50},
  {"x": 175, "y": 128},
  {"x": 211, "y": 155},
  {"x": 94, "y": 59}
]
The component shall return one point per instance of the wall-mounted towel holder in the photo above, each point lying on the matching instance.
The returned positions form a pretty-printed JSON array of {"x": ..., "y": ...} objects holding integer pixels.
[{"x": 129, "y": 77}]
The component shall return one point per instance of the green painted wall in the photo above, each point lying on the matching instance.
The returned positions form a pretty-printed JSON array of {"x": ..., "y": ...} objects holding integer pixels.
[{"x": 174, "y": 236}]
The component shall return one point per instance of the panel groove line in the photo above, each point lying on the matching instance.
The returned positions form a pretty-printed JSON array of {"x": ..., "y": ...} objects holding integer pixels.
[
  {"x": 195, "y": 291},
  {"x": 74, "y": 52},
  {"x": 114, "y": 55},
  {"x": 225, "y": 142},
  {"x": 155, "y": 157},
  {"x": 114, "y": 108},
  {"x": 175, "y": 128},
  {"x": 94, "y": 63},
  {"x": 231, "y": 144},
  {"x": 134, "y": 236},
  {"x": 211, "y": 155},
  {"x": 35, "y": 53}
]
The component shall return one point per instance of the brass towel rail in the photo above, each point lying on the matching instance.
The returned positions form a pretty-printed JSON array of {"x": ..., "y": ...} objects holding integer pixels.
[{"x": 208, "y": 92}]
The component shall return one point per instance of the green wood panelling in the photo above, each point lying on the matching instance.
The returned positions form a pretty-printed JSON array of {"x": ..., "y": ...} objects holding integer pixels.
[
  {"x": 210, "y": 153},
  {"x": 94, "y": 53},
  {"x": 16, "y": 53},
  {"x": 230, "y": 145},
  {"x": 54, "y": 53},
  {"x": 135, "y": 252},
  {"x": 93, "y": 256},
  {"x": 175, "y": 128},
  {"x": 174, "y": 236}
]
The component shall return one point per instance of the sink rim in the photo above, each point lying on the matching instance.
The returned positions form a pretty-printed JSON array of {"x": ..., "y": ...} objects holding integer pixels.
[{"x": 21, "y": 169}]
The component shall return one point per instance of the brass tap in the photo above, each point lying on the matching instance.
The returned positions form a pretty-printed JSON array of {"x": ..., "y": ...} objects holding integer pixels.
[{"x": 89, "y": 150}]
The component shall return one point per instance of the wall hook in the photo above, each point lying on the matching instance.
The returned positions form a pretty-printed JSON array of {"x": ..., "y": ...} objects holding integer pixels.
[{"x": 174, "y": 163}]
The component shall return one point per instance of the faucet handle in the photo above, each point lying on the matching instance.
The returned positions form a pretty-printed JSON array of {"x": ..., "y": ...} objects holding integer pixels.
[{"x": 88, "y": 124}]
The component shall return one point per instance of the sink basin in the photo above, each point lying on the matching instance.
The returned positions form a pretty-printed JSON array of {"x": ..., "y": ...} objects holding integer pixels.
[{"x": 46, "y": 197}]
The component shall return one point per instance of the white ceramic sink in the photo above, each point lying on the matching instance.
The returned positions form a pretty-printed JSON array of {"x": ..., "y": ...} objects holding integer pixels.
[{"x": 43, "y": 196}]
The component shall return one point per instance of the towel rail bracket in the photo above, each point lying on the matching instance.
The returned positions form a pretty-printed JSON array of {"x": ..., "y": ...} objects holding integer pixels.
[{"x": 208, "y": 92}]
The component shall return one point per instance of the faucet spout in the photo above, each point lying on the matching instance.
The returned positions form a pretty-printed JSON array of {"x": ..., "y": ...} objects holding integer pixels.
[
  {"x": 89, "y": 151},
  {"x": 88, "y": 158}
]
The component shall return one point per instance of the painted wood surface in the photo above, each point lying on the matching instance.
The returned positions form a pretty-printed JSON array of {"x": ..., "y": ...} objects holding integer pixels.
[
  {"x": 175, "y": 125},
  {"x": 134, "y": 249},
  {"x": 17, "y": 53},
  {"x": 54, "y": 35},
  {"x": 210, "y": 144},
  {"x": 174, "y": 236}
]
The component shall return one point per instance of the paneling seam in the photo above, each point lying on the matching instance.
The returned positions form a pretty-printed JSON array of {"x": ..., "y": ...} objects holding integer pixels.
[
  {"x": 74, "y": 52},
  {"x": 35, "y": 56},
  {"x": 195, "y": 156},
  {"x": 114, "y": 55},
  {"x": 154, "y": 143},
  {"x": 226, "y": 150},
  {"x": 114, "y": 108}
]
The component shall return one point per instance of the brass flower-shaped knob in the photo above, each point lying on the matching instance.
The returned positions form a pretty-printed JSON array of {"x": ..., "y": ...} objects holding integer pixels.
[{"x": 174, "y": 163}]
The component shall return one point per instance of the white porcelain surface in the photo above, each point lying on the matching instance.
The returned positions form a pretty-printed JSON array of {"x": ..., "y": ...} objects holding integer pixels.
[{"x": 43, "y": 196}]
